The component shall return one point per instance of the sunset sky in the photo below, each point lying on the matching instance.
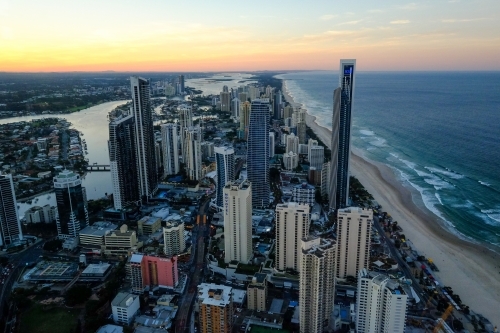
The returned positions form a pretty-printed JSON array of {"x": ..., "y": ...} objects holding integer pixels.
[{"x": 215, "y": 35}]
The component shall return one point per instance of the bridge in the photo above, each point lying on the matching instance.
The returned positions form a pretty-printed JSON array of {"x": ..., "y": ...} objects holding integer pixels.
[{"x": 98, "y": 167}]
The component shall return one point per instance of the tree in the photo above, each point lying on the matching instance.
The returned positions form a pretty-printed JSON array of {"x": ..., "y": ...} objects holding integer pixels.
[
  {"x": 78, "y": 294},
  {"x": 53, "y": 245}
]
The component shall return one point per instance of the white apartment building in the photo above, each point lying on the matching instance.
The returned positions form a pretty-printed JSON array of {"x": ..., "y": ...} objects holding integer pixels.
[
  {"x": 37, "y": 214},
  {"x": 170, "y": 149},
  {"x": 317, "y": 284},
  {"x": 304, "y": 193},
  {"x": 381, "y": 304},
  {"x": 290, "y": 160},
  {"x": 292, "y": 225},
  {"x": 237, "y": 204},
  {"x": 192, "y": 153},
  {"x": 173, "y": 236},
  {"x": 353, "y": 237},
  {"x": 292, "y": 143},
  {"x": 125, "y": 307}
]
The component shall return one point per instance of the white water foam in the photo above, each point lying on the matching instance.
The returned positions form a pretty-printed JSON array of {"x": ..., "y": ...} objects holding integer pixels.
[
  {"x": 409, "y": 164},
  {"x": 484, "y": 183},
  {"x": 378, "y": 142},
  {"x": 438, "y": 183},
  {"x": 448, "y": 173},
  {"x": 493, "y": 215},
  {"x": 439, "y": 198},
  {"x": 367, "y": 132}
]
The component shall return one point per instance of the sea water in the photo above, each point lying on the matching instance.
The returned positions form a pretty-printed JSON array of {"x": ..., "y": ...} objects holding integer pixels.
[{"x": 439, "y": 132}]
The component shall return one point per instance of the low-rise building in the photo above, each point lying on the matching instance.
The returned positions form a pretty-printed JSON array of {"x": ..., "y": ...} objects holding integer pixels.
[
  {"x": 96, "y": 272},
  {"x": 303, "y": 194},
  {"x": 125, "y": 307},
  {"x": 120, "y": 242},
  {"x": 37, "y": 214},
  {"x": 94, "y": 235}
]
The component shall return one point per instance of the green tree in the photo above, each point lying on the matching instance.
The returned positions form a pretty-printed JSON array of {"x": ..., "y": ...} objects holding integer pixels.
[{"x": 77, "y": 295}]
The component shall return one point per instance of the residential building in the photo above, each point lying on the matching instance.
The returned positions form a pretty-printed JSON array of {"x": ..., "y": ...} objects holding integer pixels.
[
  {"x": 238, "y": 221},
  {"x": 207, "y": 149},
  {"x": 243, "y": 96},
  {"x": 148, "y": 225},
  {"x": 185, "y": 122},
  {"x": 325, "y": 178},
  {"x": 287, "y": 112},
  {"x": 135, "y": 274},
  {"x": 9, "y": 218},
  {"x": 257, "y": 292},
  {"x": 290, "y": 160},
  {"x": 224, "y": 156},
  {"x": 304, "y": 194},
  {"x": 277, "y": 103},
  {"x": 381, "y": 304},
  {"x": 215, "y": 305},
  {"x": 301, "y": 125},
  {"x": 292, "y": 225},
  {"x": 173, "y": 237},
  {"x": 225, "y": 101},
  {"x": 316, "y": 156},
  {"x": 144, "y": 137},
  {"x": 292, "y": 143},
  {"x": 125, "y": 306},
  {"x": 170, "y": 149},
  {"x": 258, "y": 152},
  {"x": 37, "y": 214},
  {"x": 254, "y": 93},
  {"x": 180, "y": 80},
  {"x": 272, "y": 144},
  {"x": 235, "y": 107},
  {"x": 353, "y": 237},
  {"x": 72, "y": 214},
  {"x": 192, "y": 150},
  {"x": 317, "y": 284},
  {"x": 123, "y": 162},
  {"x": 158, "y": 271},
  {"x": 245, "y": 118},
  {"x": 341, "y": 135}
]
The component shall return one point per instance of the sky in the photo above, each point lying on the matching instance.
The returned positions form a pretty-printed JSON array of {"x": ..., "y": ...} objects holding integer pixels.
[{"x": 220, "y": 35}]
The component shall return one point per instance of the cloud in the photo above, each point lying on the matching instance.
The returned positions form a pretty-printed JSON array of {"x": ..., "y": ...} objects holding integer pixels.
[
  {"x": 350, "y": 22},
  {"x": 410, "y": 6},
  {"x": 376, "y": 11},
  {"x": 400, "y": 22},
  {"x": 465, "y": 20},
  {"x": 327, "y": 17}
]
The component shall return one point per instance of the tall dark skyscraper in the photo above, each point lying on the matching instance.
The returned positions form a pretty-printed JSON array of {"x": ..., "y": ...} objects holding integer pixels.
[
  {"x": 9, "y": 219},
  {"x": 123, "y": 162},
  {"x": 72, "y": 214},
  {"x": 341, "y": 135},
  {"x": 258, "y": 152},
  {"x": 181, "y": 83},
  {"x": 277, "y": 105},
  {"x": 144, "y": 137}
]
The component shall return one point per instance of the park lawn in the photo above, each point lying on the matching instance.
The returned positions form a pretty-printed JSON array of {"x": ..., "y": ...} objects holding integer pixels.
[{"x": 55, "y": 320}]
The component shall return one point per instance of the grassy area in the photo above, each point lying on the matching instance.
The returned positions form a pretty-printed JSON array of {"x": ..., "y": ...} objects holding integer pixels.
[
  {"x": 54, "y": 320},
  {"x": 247, "y": 269},
  {"x": 262, "y": 329}
]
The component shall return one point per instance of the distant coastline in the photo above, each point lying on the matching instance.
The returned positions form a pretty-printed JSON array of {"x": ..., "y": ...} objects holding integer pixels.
[{"x": 460, "y": 261}]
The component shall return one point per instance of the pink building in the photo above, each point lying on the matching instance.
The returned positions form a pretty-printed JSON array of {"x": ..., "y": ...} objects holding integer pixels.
[{"x": 158, "y": 271}]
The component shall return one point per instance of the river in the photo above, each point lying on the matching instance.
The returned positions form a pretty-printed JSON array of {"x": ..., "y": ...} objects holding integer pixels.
[{"x": 93, "y": 124}]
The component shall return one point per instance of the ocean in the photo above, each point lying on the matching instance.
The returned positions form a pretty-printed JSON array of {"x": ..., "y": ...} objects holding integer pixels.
[{"x": 439, "y": 132}]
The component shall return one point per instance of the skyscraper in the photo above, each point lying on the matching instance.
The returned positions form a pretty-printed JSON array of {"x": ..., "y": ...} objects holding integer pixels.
[
  {"x": 353, "y": 237},
  {"x": 216, "y": 308},
  {"x": 245, "y": 119},
  {"x": 258, "y": 152},
  {"x": 72, "y": 214},
  {"x": 292, "y": 144},
  {"x": 381, "y": 304},
  {"x": 225, "y": 101},
  {"x": 192, "y": 150},
  {"x": 341, "y": 135},
  {"x": 145, "y": 140},
  {"x": 170, "y": 148},
  {"x": 185, "y": 121},
  {"x": 224, "y": 157},
  {"x": 238, "y": 221},
  {"x": 9, "y": 218},
  {"x": 123, "y": 162},
  {"x": 271, "y": 143},
  {"x": 235, "y": 107},
  {"x": 317, "y": 283},
  {"x": 277, "y": 105},
  {"x": 292, "y": 224},
  {"x": 181, "y": 83}
]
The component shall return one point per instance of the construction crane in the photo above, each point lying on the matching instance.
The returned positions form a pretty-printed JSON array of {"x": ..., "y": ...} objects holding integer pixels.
[{"x": 445, "y": 315}]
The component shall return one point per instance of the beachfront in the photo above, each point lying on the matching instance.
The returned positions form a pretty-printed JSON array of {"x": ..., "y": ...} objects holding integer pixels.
[{"x": 471, "y": 270}]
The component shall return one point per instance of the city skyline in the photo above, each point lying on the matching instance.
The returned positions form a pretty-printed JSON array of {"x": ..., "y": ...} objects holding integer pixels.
[{"x": 95, "y": 36}]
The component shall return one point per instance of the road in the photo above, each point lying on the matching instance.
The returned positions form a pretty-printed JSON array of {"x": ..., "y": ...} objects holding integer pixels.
[{"x": 182, "y": 323}]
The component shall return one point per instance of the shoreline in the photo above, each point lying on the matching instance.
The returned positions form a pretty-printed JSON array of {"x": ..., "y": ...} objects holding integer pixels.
[{"x": 471, "y": 269}]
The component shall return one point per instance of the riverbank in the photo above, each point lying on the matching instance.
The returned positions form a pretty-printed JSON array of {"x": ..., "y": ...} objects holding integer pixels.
[{"x": 472, "y": 270}]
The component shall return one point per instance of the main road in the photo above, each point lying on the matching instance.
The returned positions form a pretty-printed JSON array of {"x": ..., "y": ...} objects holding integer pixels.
[{"x": 182, "y": 322}]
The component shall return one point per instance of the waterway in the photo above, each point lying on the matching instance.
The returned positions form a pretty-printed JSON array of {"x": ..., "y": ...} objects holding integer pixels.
[{"x": 93, "y": 124}]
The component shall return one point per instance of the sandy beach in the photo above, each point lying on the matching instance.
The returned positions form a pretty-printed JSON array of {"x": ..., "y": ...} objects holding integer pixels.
[{"x": 473, "y": 271}]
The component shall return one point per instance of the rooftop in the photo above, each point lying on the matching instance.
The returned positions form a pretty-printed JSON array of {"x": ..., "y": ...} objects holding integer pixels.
[
  {"x": 98, "y": 229},
  {"x": 122, "y": 299},
  {"x": 214, "y": 294},
  {"x": 96, "y": 269}
]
